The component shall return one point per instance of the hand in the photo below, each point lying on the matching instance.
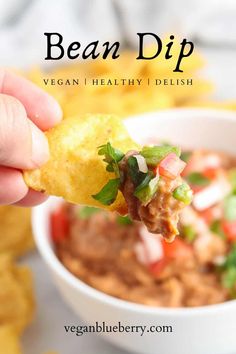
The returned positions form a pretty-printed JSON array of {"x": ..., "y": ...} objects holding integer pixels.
[{"x": 25, "y": 111}]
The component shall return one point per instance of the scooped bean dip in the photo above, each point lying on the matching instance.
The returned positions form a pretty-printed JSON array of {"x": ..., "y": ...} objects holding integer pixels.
[{"x": 151, "y": 184}]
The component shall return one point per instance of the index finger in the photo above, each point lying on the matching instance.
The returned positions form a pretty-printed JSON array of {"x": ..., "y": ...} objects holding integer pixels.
[{"x": 41, "y": 108}]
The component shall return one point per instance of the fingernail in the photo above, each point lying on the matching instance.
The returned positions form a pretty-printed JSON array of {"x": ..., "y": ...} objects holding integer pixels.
[
  {"x": 54, "y": 111},
  {"x": 40, "y": 149},
  {"x": 57, "y": 112}
]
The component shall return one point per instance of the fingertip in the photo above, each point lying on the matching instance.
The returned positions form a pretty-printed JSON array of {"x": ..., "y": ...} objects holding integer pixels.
[
  {"x": 39, "y": 148},
  {"x": 55, "y": 110},
  {"x": 41, "y": 108},
  {"x": 47, "y": 112},
  {"x": 13, "y": 187},
  {"x": 31, "y": 199}
]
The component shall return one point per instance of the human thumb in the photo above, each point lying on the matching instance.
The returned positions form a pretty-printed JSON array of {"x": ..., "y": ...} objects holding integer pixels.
[{"x": 22, "y": 144}]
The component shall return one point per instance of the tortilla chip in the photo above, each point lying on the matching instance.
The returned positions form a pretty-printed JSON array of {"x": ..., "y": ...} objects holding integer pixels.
[
  {"x": 16, "y": 234},
  {"x": 75, "y": 171},
  {"x": 9, "y": 340},
  {"x": 16, "y": 294}
]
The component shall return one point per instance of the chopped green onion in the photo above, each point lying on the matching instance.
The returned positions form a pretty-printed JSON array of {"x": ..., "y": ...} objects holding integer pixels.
[
  {"x": 108, "y": 193},
  {"x": 229, "y": 278},
  {"x": 216, "y": 228},
  {"x": 154, "y": 154},
  {"x": 231, "y": 258},
  {"x": 146, "y": 190},
  {"x": 229, "y": 270},
  {"x": 183, "y": 193},
  {"x": 189, "y": 233},
  {"x": 133, "y": 170},
  {"x": 232, "y": 179},
  {"x": 198, "y": 179},
  {"x": 86, "y": 211},
  {"x": 123, "y": 220},
  {"x": 185, "y": 155},
  {"x": 230, "y": 208}
]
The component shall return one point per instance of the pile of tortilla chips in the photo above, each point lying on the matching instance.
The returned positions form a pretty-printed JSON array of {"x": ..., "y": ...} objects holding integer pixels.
[
  {"x": 16, "y": 288},
  {"x": 16, "y": 234},
  {"x": 127, "y": 100},
  {"x": 16, "y": 303}
]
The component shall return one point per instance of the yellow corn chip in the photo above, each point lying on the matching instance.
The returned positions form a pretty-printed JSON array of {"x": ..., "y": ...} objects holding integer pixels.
[{"x": 75, "y": 171}]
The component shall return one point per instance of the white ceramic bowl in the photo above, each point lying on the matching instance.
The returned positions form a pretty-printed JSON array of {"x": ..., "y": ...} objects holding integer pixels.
[{"x": 202, "y": 330}]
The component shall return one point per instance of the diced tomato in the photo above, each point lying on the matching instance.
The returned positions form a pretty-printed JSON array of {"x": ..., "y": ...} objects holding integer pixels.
[
  {"x": 212, "y": 194},
  {"x": 210, "y": 173},
  {"x": 200, "y": 162},
  {"x": 191, "y": 166},
  {"x": 229, "y": 228},
  {"x": 207, "y": 215},
  {"x": 157, "y": 267},
  {"x": 59, "y": 224},
  {"x": 196, "y": 189},
  {"x": 171, "y": 166},
  {"x": 176, "y": 249}
]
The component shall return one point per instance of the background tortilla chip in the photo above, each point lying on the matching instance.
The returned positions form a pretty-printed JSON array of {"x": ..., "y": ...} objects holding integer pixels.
[
  {"x": 16, "y": 234},
  {"x": 9, "y": 340},
  {"x": 75, "y": 171},
  {"x": 16, "y": 294}
]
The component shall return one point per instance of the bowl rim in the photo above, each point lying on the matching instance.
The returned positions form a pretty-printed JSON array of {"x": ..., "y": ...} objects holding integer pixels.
[{"x": 49, "y": 256}]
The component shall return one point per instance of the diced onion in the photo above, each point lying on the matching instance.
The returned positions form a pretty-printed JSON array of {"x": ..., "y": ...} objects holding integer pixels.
[
  {"x": 142, "y": 165},
  {"x": 140, "y": 252},
  {"x": 212, "y": 194},
  {"x": 152, "y": 244},
  {"x": 219, "y": 260},
  {"x": 188, "y": 216},
  {"x": 211, "y": 161},
  {"x": 171, "y": 166}
]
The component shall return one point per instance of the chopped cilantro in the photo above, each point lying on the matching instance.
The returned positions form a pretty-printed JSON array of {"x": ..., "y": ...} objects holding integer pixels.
[
  {"x": 108, "y": 193},
  {"x": 123, "y": 220},
  {"x": 112, "y": 157}
]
